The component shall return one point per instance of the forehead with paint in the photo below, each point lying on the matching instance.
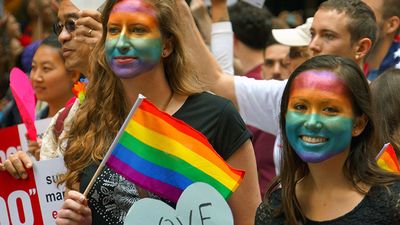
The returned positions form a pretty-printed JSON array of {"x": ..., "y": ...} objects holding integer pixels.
[
  {"x": 137, "y": 11},
  {"x": 325, "y": 81}
]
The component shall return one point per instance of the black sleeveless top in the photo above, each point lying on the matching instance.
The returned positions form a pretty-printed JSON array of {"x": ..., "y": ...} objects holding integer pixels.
[
  {"x": 380, "y": 206},
  {"x": 215, "y": 117}
]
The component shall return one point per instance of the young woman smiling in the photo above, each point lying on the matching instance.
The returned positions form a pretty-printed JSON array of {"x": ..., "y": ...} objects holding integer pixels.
[{"x": 329, "y": 174}]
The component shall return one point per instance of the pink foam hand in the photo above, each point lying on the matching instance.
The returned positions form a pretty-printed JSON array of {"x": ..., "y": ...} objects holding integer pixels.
[{"x": 24, "y": 96}]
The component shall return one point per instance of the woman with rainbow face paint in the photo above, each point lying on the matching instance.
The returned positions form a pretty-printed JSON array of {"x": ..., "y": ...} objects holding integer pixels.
[
  {"x": 329, "y": 174},
  {"x": 142, "y": 51}
]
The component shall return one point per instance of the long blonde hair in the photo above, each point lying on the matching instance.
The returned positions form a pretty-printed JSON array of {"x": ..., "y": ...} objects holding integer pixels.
[{"x": 105, "y": 107}]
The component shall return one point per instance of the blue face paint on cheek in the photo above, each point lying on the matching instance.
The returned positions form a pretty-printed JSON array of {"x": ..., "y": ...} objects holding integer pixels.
[
  {"x": 130, "y": 57},
  {"x": 315, "y": 137}
]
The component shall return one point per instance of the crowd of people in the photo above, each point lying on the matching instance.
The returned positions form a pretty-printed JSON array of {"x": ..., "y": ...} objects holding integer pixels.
[{"x": 303, "y": 110}]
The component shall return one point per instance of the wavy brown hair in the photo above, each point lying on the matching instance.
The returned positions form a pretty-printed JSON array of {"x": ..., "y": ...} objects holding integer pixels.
[
  {"x": 106, "y": 107},
  {"x": 360, "y": 165}
]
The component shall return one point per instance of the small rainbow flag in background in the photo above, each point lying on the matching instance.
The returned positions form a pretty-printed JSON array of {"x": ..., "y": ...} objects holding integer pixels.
[
  {"x": 165, "y": 155},
  {"x": 387, "y": 159}
]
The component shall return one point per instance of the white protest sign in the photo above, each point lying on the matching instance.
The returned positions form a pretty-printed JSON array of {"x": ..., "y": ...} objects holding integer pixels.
[
  {"x": 88, "y": 4},
  {"x": 51, "y": 196},
  {"x": 14, "y": 139},
  {"x": 35, "y": 200},
  {"x": 199, "y": 204}
]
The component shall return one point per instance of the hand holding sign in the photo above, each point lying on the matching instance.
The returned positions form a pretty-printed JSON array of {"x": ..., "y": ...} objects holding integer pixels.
[
  {"x": 35, "y": 200},
  {"x": 25, "y": 98},
  {"x": 199, "y": 204}
]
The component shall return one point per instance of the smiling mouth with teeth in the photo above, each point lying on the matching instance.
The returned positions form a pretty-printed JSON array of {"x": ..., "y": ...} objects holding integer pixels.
[{"x": 313, "y": 140}]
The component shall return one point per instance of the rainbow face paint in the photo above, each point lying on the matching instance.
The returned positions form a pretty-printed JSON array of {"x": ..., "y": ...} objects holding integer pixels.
[
  {"x": 133, "y": 45},
  {"x": 319, "y": 120}
]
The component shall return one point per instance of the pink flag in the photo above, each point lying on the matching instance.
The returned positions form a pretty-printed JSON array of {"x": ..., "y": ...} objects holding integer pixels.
[{"x": 24, "y": 96}]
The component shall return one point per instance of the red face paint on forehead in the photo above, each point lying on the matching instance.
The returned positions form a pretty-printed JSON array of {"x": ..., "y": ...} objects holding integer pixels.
[
  {"x": 134, "y": 6},
  {"x": 325, "y": 81}
]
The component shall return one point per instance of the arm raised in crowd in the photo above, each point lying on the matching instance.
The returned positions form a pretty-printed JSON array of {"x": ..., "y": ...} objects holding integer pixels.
[{"x": 206, "y": 65}]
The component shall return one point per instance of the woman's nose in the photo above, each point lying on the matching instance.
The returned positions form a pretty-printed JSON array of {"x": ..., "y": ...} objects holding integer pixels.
[
  {"x": 313, "y": 122},
  {"x": 123, "y": 44},
  {"x": 35, "y": 76}
]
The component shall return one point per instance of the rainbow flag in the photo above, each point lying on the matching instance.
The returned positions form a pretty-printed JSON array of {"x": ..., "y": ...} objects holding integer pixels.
[
  {"x": 387, "y": 159},
  {"x": 165, "y": 155}
]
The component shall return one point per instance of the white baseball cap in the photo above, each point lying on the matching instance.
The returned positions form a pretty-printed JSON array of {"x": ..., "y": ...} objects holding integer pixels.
[{"x": 299, "y": 36}]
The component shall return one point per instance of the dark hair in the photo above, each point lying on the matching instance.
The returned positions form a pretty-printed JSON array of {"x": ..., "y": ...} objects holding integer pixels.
[
  {"x": 360, "y": 165},
  {"x": 362, "y": 21},
  {"x": 251, "y": 25},
  {"x": 52, "y": 41},
  {"x": 386, "y": 103},
  {"x": 390, "y": 8}
]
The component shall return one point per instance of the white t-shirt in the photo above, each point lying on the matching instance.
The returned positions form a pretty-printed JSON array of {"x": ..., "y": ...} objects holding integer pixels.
[
  {"x": 258, "y": 100},
  {"x": 259, "y": 104}
]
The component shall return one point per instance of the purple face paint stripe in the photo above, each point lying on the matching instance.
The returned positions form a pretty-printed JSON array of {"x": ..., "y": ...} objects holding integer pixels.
[{"x": 133, "y": 6}]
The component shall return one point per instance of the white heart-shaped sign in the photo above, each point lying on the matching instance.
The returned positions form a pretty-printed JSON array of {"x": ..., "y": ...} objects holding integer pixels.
[{"x": 199, "y": 204}]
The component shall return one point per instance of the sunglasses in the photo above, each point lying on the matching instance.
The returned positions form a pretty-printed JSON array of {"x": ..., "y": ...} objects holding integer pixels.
[{"x": 69, "y": 25}]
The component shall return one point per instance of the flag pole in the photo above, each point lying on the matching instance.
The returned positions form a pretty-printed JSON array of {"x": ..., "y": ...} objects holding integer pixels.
[
  {"x": 382, "y": 151},
  {"x": 114, "y": 143}
]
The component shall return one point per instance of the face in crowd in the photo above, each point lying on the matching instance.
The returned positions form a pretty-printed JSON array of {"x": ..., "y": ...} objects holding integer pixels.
[
  {"x": 319, "y": 118},
  {"x": 76, "y": 53},
  {"x": 133, "y": 44},
  {"x": 50, "y": 78},
  {"x": 331, "y": 38},
  {"x": 276, "y": 66}
]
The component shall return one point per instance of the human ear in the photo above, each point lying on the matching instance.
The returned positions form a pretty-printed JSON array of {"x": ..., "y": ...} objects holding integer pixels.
[
  {"x": 359, "y": 125},
  {"x": 167, "y": 48},
  {"x": 362, "y": 48},
  {"x": 391, "y": 25}
]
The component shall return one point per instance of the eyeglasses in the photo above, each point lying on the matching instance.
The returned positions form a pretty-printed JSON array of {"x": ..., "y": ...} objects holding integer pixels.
[{"x": 69, "y": 25}]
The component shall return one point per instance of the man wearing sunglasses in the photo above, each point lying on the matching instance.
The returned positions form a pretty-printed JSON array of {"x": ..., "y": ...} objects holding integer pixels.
[{"x": 77, "y": 31}]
